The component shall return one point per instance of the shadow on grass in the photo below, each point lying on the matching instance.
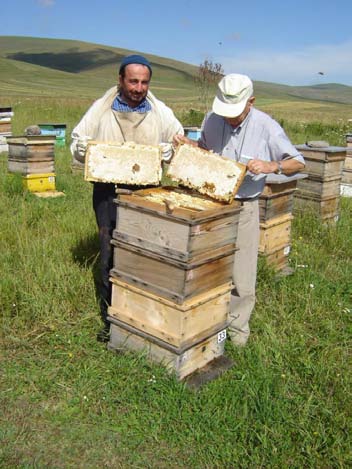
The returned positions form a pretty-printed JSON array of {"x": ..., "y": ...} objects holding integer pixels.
[{"x": 86, "y": 254}]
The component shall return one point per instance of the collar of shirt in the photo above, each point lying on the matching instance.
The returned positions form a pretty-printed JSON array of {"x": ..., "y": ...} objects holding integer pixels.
[
  {"x": 120, "y": 106},
  {"x": 237, "y": 130}
]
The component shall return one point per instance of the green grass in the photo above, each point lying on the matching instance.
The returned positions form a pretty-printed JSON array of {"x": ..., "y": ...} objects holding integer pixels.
[{"x": 66, "y": 401}]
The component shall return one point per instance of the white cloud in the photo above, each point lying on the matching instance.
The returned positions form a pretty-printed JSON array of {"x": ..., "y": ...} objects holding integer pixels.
[
  {"x": 295, "y": 67},
  {"x": 46, "y": 3}
]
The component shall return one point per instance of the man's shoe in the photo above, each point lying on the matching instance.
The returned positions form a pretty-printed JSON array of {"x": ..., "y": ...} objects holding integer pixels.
[
  {"x": 104, "y": 334},
  {"x": 237, "y": 338}
]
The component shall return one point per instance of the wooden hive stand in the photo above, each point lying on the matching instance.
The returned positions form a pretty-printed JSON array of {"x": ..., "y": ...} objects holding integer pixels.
[{"x": 320, "y": 192}]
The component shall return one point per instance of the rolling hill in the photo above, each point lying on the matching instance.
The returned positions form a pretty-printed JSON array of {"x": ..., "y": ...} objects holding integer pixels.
[{"x": 63, "y": 68}]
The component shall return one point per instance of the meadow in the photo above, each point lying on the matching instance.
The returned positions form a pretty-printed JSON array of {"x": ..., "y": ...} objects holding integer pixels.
[{"x": 68, "y": 402}]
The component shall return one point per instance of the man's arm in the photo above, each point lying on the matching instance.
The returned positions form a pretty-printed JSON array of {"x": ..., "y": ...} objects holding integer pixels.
[
  {"x": 285, "y": 166},
  {"x": 179, "y": 139}
]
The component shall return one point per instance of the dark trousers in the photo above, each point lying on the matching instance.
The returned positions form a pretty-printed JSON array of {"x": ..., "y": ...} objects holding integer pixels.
[{"x": 105, "y": 213}]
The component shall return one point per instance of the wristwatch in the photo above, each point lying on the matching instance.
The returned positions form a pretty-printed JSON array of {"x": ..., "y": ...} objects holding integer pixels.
[{"x": 279, "y": 168}]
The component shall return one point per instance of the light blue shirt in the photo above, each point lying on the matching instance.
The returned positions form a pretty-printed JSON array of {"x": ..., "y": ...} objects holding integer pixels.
[
  {"x": 259, "y": 137},
  {"x": 121, "y": 106}
]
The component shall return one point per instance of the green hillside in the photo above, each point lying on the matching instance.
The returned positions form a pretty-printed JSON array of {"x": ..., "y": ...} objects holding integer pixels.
[
  {"x": 59, "y": 68},
  {"x": 53, "y": 67}
]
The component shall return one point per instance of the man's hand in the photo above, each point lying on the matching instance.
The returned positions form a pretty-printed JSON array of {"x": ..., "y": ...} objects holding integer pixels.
[
  {"x": 81, "y": 147},
  {"x": 179, "y": 139},
  {"x": 167, "y": 151},
  {"x": 260, "y": 166}
]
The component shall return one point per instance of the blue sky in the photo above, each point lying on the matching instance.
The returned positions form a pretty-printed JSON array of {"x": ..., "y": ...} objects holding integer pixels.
[{"x": 292, "y": 42}]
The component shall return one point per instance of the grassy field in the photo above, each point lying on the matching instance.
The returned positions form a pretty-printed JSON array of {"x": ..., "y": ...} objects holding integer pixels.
[{"x": 65, "y": 401}]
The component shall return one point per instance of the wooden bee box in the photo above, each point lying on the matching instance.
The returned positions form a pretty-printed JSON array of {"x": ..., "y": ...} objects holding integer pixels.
[
  {"x": 172, "y": 279},
  {"x": 275, "y": 234},
  {"x": 175, "y": 223},
  {"x": 272, "y": 206},
  {"x": 39, "y": 182},
  {"x": 322, "y": 154},
  {"x": 179, "y": 361},
  {"x": 324, "y": 169},
  {"x": 181, "y": 325},
  {"x": 326, "y": 209},
  {"x": 31, "y": 154},
  {"x": 274, "y": 188},
  {"x": 278, "y": 258},
  {"x": 5, "y": 126},
  {"x": 347, "y": 176},
  {"x": 315, "y": 187}
]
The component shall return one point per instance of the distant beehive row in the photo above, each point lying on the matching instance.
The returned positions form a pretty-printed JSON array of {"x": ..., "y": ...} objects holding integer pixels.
[
  {"x": 347, "y": 170},
  {"x": 6, "y": 115}
]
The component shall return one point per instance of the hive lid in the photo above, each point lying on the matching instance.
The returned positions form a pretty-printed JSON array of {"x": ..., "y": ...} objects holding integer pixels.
[
  {"x": 53, "y": 124},
  {"x": 206, "y": 172},
  {"x": 329, "y": 149},
  {"x": 30, "y": 139},
  {"x": 274, "y": 178},
  {"x": 123, "y": 163}
]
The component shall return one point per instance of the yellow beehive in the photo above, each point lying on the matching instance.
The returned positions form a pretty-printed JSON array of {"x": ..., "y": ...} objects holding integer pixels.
[{"x": 39, "y": 182}]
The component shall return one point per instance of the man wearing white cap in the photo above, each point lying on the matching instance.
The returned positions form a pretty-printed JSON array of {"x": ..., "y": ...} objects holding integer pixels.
[
  {"x": 127, "y": 112},
  {"x": 239, "y": 131}
]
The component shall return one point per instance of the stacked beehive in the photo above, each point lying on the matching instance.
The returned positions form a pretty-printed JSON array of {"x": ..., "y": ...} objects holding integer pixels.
[
  {"x": 172, "y": 274},
  {"x": 33, "y": 157},
  {"x": 6, "y": 115},
  {"x": 275, "y": 214},
  {"x": 319, "y": 193},
  {"x": 346, "y": 183}
]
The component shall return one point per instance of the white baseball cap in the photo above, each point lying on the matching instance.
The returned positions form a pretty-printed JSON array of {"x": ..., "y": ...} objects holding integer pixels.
[{"x": 234, "y": 90}]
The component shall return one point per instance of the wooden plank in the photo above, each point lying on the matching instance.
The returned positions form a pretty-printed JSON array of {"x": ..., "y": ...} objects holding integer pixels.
[
  {"x": 179, "y": 325},
  {"x": 49, "y": 194},
  {"x": 180, "y": 362},
  {"x": 168, "y": 277}
]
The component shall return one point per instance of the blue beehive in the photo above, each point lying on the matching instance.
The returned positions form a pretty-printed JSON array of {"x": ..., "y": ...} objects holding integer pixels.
[
  {"x": 59, "y": 130},
  {"x": 193, "y": 133}
]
